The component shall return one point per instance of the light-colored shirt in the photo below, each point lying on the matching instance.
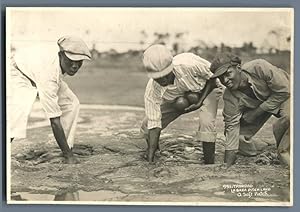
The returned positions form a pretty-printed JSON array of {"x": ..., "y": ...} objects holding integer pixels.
[
  {"x": 41, "y": 65},
  {"x": 191, "y": 73},
  {"x": 270, "y": 86}
]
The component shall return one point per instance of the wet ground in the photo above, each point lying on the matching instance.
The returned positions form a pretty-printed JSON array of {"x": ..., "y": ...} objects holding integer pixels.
[{"x": 112, "y": 167}]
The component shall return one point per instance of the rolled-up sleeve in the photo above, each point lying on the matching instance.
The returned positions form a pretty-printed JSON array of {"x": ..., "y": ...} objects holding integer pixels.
[
  {"x": 153, "y": 101},
  {"x": 232, "y": 116},
  {"x": 278, "y": 82},
  {"x": 48, "y": 91}
]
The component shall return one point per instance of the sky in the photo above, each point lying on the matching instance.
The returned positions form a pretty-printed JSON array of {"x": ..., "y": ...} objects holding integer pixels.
[{"x": 120, "y": 28}]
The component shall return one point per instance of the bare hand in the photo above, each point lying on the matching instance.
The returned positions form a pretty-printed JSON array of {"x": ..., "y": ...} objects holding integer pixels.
[
  {"x": 191, "y": 108},
  {"x": 219, "y": 92}
]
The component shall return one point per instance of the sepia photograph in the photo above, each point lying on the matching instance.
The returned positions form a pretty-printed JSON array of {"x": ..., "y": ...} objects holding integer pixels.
[{"x": 150, "y": 106}]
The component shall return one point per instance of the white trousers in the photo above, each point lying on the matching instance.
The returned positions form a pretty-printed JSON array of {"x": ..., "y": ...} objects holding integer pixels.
[{"x": 20, "y": 98}]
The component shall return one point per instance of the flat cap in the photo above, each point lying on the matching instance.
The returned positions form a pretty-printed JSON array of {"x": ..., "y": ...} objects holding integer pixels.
[
  {"x": 74, "y": 48},
  {"x": 222, "y": 62}
]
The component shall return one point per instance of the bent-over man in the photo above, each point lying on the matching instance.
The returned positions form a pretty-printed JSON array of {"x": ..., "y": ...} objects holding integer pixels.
[
  {"x": 40, "y": 71},
  {"x": 254, "y": 92},
  {"x": 172, "y": 78}
]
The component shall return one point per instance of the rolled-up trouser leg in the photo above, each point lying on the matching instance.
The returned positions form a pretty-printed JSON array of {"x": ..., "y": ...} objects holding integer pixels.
[
  {"x": 207, "y": 118},
  {"x": 207, "y": 126},
  {"x": 70, "y": 106}
]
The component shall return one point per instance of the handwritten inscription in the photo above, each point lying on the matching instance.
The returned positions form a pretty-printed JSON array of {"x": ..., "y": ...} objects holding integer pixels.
[{"x": 247, "y": 190}]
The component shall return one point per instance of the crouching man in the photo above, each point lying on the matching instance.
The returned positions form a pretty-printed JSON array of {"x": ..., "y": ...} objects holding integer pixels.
[
  {"x": 168, "y": 95},
  {"x": 254, "y": 92},
  {"x": 37, "y": 70}
]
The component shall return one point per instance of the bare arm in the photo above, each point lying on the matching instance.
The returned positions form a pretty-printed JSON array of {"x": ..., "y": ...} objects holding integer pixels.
[
  {"x": 61, "y": 140},
  {"x": 153, "y": 143},
  {"x": 209, "y": 86}
]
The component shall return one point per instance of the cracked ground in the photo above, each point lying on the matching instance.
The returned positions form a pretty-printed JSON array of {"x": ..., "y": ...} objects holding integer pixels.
[{"x": 112, "y": 167}]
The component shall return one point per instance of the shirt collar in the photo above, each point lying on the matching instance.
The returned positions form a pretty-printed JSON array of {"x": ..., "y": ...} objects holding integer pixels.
[{"x": 249, "y": 78}]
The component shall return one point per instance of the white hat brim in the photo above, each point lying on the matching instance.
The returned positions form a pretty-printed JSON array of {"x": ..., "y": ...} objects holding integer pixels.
[
  {"x": 76, "y": 57},
  {"x": 159, "y": 74}
]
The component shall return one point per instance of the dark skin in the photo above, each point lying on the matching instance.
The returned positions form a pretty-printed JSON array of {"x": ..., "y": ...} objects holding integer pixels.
[
  {"x": 61, "y": 140},
  {"x": 71, "y": 68},
  {"x": 68, "y": 66},
  {"x": 209, "y": 86},
  {"x": 166, "y": 80},
  {"x": 235, "y": 79},
  {"x": 154, "y": 134}
]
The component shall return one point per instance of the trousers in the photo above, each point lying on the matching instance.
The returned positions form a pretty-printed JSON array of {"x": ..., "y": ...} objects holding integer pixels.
[
  {"x": 21, "y": 95},
  {"x": 281, "y": 131}
]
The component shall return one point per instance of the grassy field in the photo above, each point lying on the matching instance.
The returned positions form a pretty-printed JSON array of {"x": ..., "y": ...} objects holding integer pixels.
[{"x": 122, "y": 80}]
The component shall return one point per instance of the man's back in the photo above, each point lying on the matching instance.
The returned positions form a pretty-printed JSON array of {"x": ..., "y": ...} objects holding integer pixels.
[{"x": 37, "y": 61}]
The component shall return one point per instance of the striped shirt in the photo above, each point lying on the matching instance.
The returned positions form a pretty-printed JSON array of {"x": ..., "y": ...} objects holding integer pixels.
[{"x": 191, "y": 73}]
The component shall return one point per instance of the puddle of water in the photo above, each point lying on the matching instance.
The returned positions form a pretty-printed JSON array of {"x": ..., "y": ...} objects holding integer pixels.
[
  {"x": 26, "y": 196},
  {"x": 80, "y": 195}
]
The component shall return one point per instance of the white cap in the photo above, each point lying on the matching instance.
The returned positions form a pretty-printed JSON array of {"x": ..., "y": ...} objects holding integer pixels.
[
  {"x": 74, "y": 48},
  {"x": 157, "y": 60}
]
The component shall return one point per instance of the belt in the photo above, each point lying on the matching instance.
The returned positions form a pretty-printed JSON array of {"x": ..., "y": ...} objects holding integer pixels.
[{"x": 31, "y": 81}]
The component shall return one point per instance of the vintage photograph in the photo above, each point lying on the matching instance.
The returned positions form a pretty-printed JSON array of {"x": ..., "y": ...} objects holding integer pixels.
[{"x": 150, "y": 106}]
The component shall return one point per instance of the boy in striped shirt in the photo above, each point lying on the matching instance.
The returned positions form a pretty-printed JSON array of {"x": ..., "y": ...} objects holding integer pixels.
[{"x": 170, "y": 78}]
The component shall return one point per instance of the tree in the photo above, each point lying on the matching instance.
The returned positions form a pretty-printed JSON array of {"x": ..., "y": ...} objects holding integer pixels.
[
  {"x": 276, "y": 34},
  {"x": 144, "y": 37},
  {"x": 161, "y": 38},
  {"x": 178, "y": 42}
]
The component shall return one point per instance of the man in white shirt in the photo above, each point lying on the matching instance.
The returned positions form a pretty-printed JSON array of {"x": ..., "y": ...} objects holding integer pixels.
[
  {"x": 39, "y": 71},
  {"x": 171, "y": 78}
]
